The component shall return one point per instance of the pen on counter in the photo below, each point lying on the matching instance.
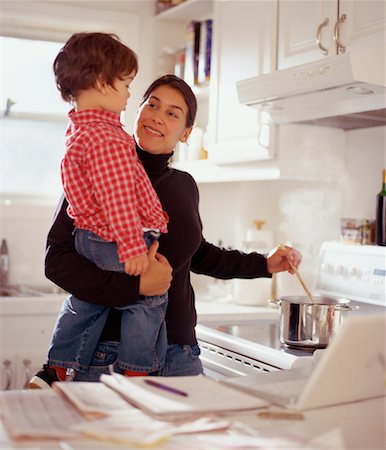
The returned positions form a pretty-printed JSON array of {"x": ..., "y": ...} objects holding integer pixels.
[{"x": 164, "y": 387}]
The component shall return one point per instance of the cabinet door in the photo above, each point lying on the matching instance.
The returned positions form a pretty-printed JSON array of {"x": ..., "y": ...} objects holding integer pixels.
[
  {"x": 7, "y": 371},
  {"x": 299, "y": 24},
  {"x": 27, "y": 364},
  {"x": 363, "y": 25},
  {"x": 243, "y": 46}
]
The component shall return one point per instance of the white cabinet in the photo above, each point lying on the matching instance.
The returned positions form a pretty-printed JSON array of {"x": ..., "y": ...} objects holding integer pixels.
[
  {"x": 18, "y": 367},
  {"x": 173, "y": 23},
  {"x": 309, "y": 30},
  {"x": 7, "y": 370},
  {"x": 243, "y": 46},
  {"x": 26, "y": 324}
]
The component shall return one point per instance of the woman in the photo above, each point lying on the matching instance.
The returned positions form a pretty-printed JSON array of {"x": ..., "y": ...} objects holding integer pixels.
[{"x": 165, "y": 117}]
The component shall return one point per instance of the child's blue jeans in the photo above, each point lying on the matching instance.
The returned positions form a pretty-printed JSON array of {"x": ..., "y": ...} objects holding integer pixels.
[{"x": 143, "y": 340}]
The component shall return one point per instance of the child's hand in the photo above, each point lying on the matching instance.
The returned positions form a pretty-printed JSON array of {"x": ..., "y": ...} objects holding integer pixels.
[{"x": 137, "y": 265}]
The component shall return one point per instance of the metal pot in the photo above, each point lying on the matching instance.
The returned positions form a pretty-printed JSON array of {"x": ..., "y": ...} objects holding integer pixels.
[{"x": 310, "y": 325}]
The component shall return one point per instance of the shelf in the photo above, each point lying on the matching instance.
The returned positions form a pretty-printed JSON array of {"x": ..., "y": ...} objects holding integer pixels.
[
  {"x": 201, "y": 92},
  {"x": 205, "y": 171},
  {"x": 187, "y": 11}
]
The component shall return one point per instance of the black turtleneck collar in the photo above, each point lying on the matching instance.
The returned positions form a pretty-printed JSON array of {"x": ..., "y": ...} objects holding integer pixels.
[{"x": 155, "y": 165}]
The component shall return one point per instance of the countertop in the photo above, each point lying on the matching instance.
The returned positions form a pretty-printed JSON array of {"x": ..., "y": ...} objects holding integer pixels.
[
  {"x": 208, "y": 309},
  {"x": 227, "y": 310},
  {"x": 355, "y": 425}
]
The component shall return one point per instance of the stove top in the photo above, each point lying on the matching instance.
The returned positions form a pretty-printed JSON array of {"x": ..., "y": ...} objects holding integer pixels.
[
  {"x": 263, "y": 333},
  {"x": 354, "y": 272},
  {"x": 248, "y": 343}
]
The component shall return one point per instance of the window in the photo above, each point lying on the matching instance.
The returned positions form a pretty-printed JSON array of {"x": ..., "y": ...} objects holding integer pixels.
[{"x": 33, "y": 118}]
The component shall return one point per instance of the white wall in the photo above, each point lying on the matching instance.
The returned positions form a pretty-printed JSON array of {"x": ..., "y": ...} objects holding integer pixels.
[
  {"x": 365, "y": 161},
  {"x": 24, "y": 223},
  {"x": 303, "y": 213}
]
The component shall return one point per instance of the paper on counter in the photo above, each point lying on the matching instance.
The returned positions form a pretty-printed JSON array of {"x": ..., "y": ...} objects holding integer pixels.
[
  {"x": 137, "y": 428},
  {"x": 94, "y": 400},
  {"x": 201, "y": 395},
  {"x": 242, "y": 436},
  {"x": 38, "y": 414}
]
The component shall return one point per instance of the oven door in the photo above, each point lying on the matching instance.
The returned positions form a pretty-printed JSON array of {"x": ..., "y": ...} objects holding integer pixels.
[{"x": 245, "y": 348}]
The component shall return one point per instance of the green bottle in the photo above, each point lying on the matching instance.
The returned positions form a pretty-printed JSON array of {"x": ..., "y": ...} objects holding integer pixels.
[{"x": 380, "y": 230}]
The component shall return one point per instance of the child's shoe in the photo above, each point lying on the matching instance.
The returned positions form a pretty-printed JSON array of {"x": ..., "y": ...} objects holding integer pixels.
[
  {"x": 47, "y": 375},
  {"x": 44, "y": 378}
]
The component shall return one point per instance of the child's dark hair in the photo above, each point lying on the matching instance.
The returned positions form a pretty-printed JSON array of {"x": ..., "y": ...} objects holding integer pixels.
[
  {"x": 180, "y": 85},
  {"x": 87, "y": 57}
]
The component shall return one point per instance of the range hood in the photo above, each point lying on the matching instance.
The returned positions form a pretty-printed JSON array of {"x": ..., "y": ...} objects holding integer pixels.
[{"x": 346, "y": 91}]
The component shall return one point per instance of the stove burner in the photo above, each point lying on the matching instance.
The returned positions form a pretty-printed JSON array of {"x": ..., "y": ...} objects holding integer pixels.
[{"x": 301, "y": 348}]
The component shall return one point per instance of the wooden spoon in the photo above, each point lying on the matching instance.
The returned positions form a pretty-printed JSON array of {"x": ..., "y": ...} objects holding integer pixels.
[{"x": 304, "y": 286}]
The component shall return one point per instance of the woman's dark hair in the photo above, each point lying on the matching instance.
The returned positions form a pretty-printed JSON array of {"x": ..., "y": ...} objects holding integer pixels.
[
  {"x": 86, "y": 57},
  {"x": 180, "y": 85}
]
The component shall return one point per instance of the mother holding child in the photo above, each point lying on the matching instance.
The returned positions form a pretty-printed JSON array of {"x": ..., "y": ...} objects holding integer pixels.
[{"x": 129, "y": 307}]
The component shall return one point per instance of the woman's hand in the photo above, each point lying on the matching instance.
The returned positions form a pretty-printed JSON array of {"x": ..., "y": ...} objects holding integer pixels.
[
  {"x": 281, "y": 258},
  {"x": 156, "y": 280}
]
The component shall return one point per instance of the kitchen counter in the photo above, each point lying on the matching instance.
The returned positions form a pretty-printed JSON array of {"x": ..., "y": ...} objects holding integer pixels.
[
  {"x": 226, "y": 310},
  {"x": 208, "y": 310},
  {"x": 355, "y": 425}
]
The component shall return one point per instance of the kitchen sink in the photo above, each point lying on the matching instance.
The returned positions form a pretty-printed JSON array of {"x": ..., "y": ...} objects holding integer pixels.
[{"x": 19, "y": 290}]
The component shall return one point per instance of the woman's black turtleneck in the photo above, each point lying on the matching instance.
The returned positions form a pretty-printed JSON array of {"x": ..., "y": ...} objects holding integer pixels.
[{"x": 183, "y": 246}]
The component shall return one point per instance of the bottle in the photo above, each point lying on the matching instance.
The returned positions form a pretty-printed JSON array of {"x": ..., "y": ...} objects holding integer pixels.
[
  {"x": 4, "y": 262},
  {"x": 255, "y": 291},
  {"x": 380, "y": 227}
]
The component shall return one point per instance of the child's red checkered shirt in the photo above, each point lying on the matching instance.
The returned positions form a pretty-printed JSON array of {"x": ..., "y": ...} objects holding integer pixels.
[{"x": 108, "y": 190}]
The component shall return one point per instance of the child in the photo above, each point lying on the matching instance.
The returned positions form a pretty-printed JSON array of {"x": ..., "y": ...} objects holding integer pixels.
[{"x": 114, "y": 206}]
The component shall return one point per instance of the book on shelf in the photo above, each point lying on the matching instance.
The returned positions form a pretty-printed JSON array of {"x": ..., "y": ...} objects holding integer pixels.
[
  {"x": 192, "y": 62},
  {"x": 192, "y": 45},
  {"x": 179, "y": 65},
  {"x": 205, "y": 51}
]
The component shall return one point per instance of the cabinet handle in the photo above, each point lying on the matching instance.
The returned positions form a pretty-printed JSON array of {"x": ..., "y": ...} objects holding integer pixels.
[
  {"x": 323, "y": 49},
  {"x": 260, "y": 126},
  {"x": 8, "y": 374},
  {"x": 27, "y": 373},
  {"x": 341, "y": 48}
]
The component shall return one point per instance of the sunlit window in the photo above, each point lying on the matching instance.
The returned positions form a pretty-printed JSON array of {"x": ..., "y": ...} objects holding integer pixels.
[
  {"x": 27, "y": 78},
  {"x": 33, "y": 118}
]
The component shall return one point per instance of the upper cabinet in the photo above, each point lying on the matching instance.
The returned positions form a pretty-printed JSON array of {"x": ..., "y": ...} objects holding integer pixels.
[
  {"x": 243, "y": 46},
  {"x": 312, "y": 30},
  {"x": 172, "y": 35},
  {"x": 187, "y": 10},
  {"x": 252, "y": 38}
]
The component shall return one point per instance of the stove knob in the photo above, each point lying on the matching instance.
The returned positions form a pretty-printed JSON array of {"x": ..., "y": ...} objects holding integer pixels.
[
  {"x": 328, "y": 268},
  {"x": 355, "y": 272},
  {"x": 339, "y": 270}
]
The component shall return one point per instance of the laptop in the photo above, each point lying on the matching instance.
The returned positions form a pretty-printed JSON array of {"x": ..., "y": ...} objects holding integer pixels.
[{"x": 351, "y": 368}]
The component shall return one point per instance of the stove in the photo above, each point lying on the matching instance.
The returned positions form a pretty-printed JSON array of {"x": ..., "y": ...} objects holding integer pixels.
[{"x": 354, "y": 272}]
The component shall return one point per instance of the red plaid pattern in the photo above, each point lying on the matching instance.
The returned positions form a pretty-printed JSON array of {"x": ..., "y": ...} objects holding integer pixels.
[{"x": 108, "y": 190}]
